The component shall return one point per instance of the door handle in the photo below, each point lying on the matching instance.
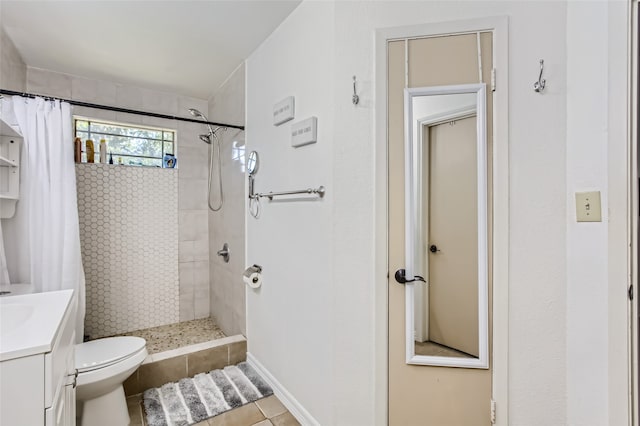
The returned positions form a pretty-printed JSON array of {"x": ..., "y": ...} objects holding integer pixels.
[
  {"x": 433, "y": 248},
  {"x": 402, "y": 279}
]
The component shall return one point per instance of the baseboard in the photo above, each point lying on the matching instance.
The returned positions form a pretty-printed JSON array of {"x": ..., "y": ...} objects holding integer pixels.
[{"x": 292, "y": 404}]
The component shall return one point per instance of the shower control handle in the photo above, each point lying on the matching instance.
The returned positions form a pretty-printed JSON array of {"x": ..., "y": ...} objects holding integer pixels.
[{"x": 224, "y": 253}]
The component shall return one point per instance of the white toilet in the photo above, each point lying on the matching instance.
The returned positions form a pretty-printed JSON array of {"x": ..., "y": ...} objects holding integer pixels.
[{"x": 102, "y": 366}]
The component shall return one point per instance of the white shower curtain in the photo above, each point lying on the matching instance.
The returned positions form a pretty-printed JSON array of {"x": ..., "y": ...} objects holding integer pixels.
[{"x": 42, "y": 240}]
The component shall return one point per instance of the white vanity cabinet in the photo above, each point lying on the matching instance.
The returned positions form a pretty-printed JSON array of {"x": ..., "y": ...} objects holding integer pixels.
[{"x": 37, "y": 364}]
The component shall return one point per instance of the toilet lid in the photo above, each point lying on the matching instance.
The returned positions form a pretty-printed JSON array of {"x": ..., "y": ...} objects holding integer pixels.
[{"x": 103, "y": 352}]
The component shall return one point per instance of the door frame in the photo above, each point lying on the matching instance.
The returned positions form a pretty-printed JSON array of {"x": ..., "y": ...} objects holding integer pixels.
[
  {"x": 500, "y": 300},
  {"x": 632, "y": 224}
]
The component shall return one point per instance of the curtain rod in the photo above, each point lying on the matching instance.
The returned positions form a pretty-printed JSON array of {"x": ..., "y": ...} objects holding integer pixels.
[{"x": 117, "y": 109}]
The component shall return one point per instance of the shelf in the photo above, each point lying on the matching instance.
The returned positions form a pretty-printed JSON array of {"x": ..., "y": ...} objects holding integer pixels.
[
  {"x": 7, "y": 130},
  {"x": 7, "y": 208},
  {"x": 6, "y": 162},
  {"x": 9, "y": 174}
]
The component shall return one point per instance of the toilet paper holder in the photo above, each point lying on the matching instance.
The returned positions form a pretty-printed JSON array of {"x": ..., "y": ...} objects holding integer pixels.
[
  {"x": 254, "y": 268},
  {"x": 252, "y": 276}
]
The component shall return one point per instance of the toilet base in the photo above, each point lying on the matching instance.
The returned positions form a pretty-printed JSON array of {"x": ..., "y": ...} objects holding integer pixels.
[{"x": 106, "y": 410}]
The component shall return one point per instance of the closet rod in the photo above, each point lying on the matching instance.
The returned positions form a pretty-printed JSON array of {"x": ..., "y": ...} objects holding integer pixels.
[{"x": 117, "y": 109}]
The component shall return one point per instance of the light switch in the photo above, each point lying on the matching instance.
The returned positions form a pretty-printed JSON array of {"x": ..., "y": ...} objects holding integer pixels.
[{"x": 588, "y": 207}]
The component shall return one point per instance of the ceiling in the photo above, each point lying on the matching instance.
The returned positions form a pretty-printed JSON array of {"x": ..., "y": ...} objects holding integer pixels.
[{"x": 184, "y": 47}]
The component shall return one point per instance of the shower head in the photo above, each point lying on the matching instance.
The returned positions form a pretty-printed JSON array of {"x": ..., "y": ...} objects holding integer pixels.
[
  {"x": 206, "y": 138},
  {"x": 209, "y": 138},
  {"x": 196, "y": 113}
]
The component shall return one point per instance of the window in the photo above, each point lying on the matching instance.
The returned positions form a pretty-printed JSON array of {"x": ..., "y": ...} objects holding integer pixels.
[{"x": 126, "y": 144}]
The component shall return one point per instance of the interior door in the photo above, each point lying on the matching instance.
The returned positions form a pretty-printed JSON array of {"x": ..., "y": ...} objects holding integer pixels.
[
  {"x": 453, "y": 242},
  {"x": 418, "y": 394}
]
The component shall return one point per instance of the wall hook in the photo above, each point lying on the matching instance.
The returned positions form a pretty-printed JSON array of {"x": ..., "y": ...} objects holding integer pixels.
[
  {"x": 538, "y": 86},
  {"x": 355, "y": 98}
]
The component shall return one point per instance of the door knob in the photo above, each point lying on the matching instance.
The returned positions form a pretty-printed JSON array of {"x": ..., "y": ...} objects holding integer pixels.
[
  {"x": 433, "y": 248},
  {"x": 400, "y": 277}
]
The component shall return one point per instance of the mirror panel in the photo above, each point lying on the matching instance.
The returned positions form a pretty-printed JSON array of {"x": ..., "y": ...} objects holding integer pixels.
[
  {"x": 253, "y": 162},
  {"x": 446, "y": 226}
]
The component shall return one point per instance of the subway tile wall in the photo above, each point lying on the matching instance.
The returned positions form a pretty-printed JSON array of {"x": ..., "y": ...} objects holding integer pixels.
[
  {"x": 192, "y": 237},
  {"x": 193, "y": 163},
  {"x": 228, "y": 305},
  {"x": 129, "y": 244},
  {"x": 13, "y": 71}
]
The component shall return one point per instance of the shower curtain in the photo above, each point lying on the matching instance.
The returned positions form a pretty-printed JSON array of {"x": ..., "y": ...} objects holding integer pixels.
[{"x": 42, "y": 240}]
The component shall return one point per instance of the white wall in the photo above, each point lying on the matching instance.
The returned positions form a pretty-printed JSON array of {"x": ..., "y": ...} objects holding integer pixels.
[
  {"x": 586, "y": 242},
  {"x": 555, "y": 374},
  {"x": 290, "y": 318},
  {"x": 228, "y": 299},
  {"x": 596, "y": 124}
]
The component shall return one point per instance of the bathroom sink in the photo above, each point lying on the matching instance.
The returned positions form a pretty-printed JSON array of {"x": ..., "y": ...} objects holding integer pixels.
[
  {"x": 29, "y": 322},
  {"x": 12, "y": 316}
]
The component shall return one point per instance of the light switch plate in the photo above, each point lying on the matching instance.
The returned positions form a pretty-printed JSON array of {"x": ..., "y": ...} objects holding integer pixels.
[
  {"x": 588, "y": 207},
  {"x": 304, "y": 132},
  {"x": 283, "y": 111}
]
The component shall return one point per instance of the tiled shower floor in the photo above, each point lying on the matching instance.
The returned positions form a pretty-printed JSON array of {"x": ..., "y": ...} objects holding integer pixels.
[{"x": 173, "y": 336}]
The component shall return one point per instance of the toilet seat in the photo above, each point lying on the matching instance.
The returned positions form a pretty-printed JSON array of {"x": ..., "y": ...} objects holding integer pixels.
[{"x": 101, "y": 353}]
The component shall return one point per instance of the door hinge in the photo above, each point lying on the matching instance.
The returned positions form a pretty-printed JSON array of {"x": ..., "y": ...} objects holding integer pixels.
[
  {"x": 493, "y": 79},
  {"x": 630, "y": 292},
  {"x": 493, "y": 412}
]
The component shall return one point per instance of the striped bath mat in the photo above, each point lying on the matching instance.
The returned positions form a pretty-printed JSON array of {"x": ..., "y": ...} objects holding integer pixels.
[{"x": 193, "y": 400}]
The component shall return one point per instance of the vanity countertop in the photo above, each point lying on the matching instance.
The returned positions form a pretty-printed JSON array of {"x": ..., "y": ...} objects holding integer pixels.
[{"x": 29, "y": 323}]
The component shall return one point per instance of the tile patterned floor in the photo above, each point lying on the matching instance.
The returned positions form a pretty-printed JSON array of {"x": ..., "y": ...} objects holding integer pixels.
[
  {"x": 173, "y": 336},
  {"x": 264, "y": 412}
]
